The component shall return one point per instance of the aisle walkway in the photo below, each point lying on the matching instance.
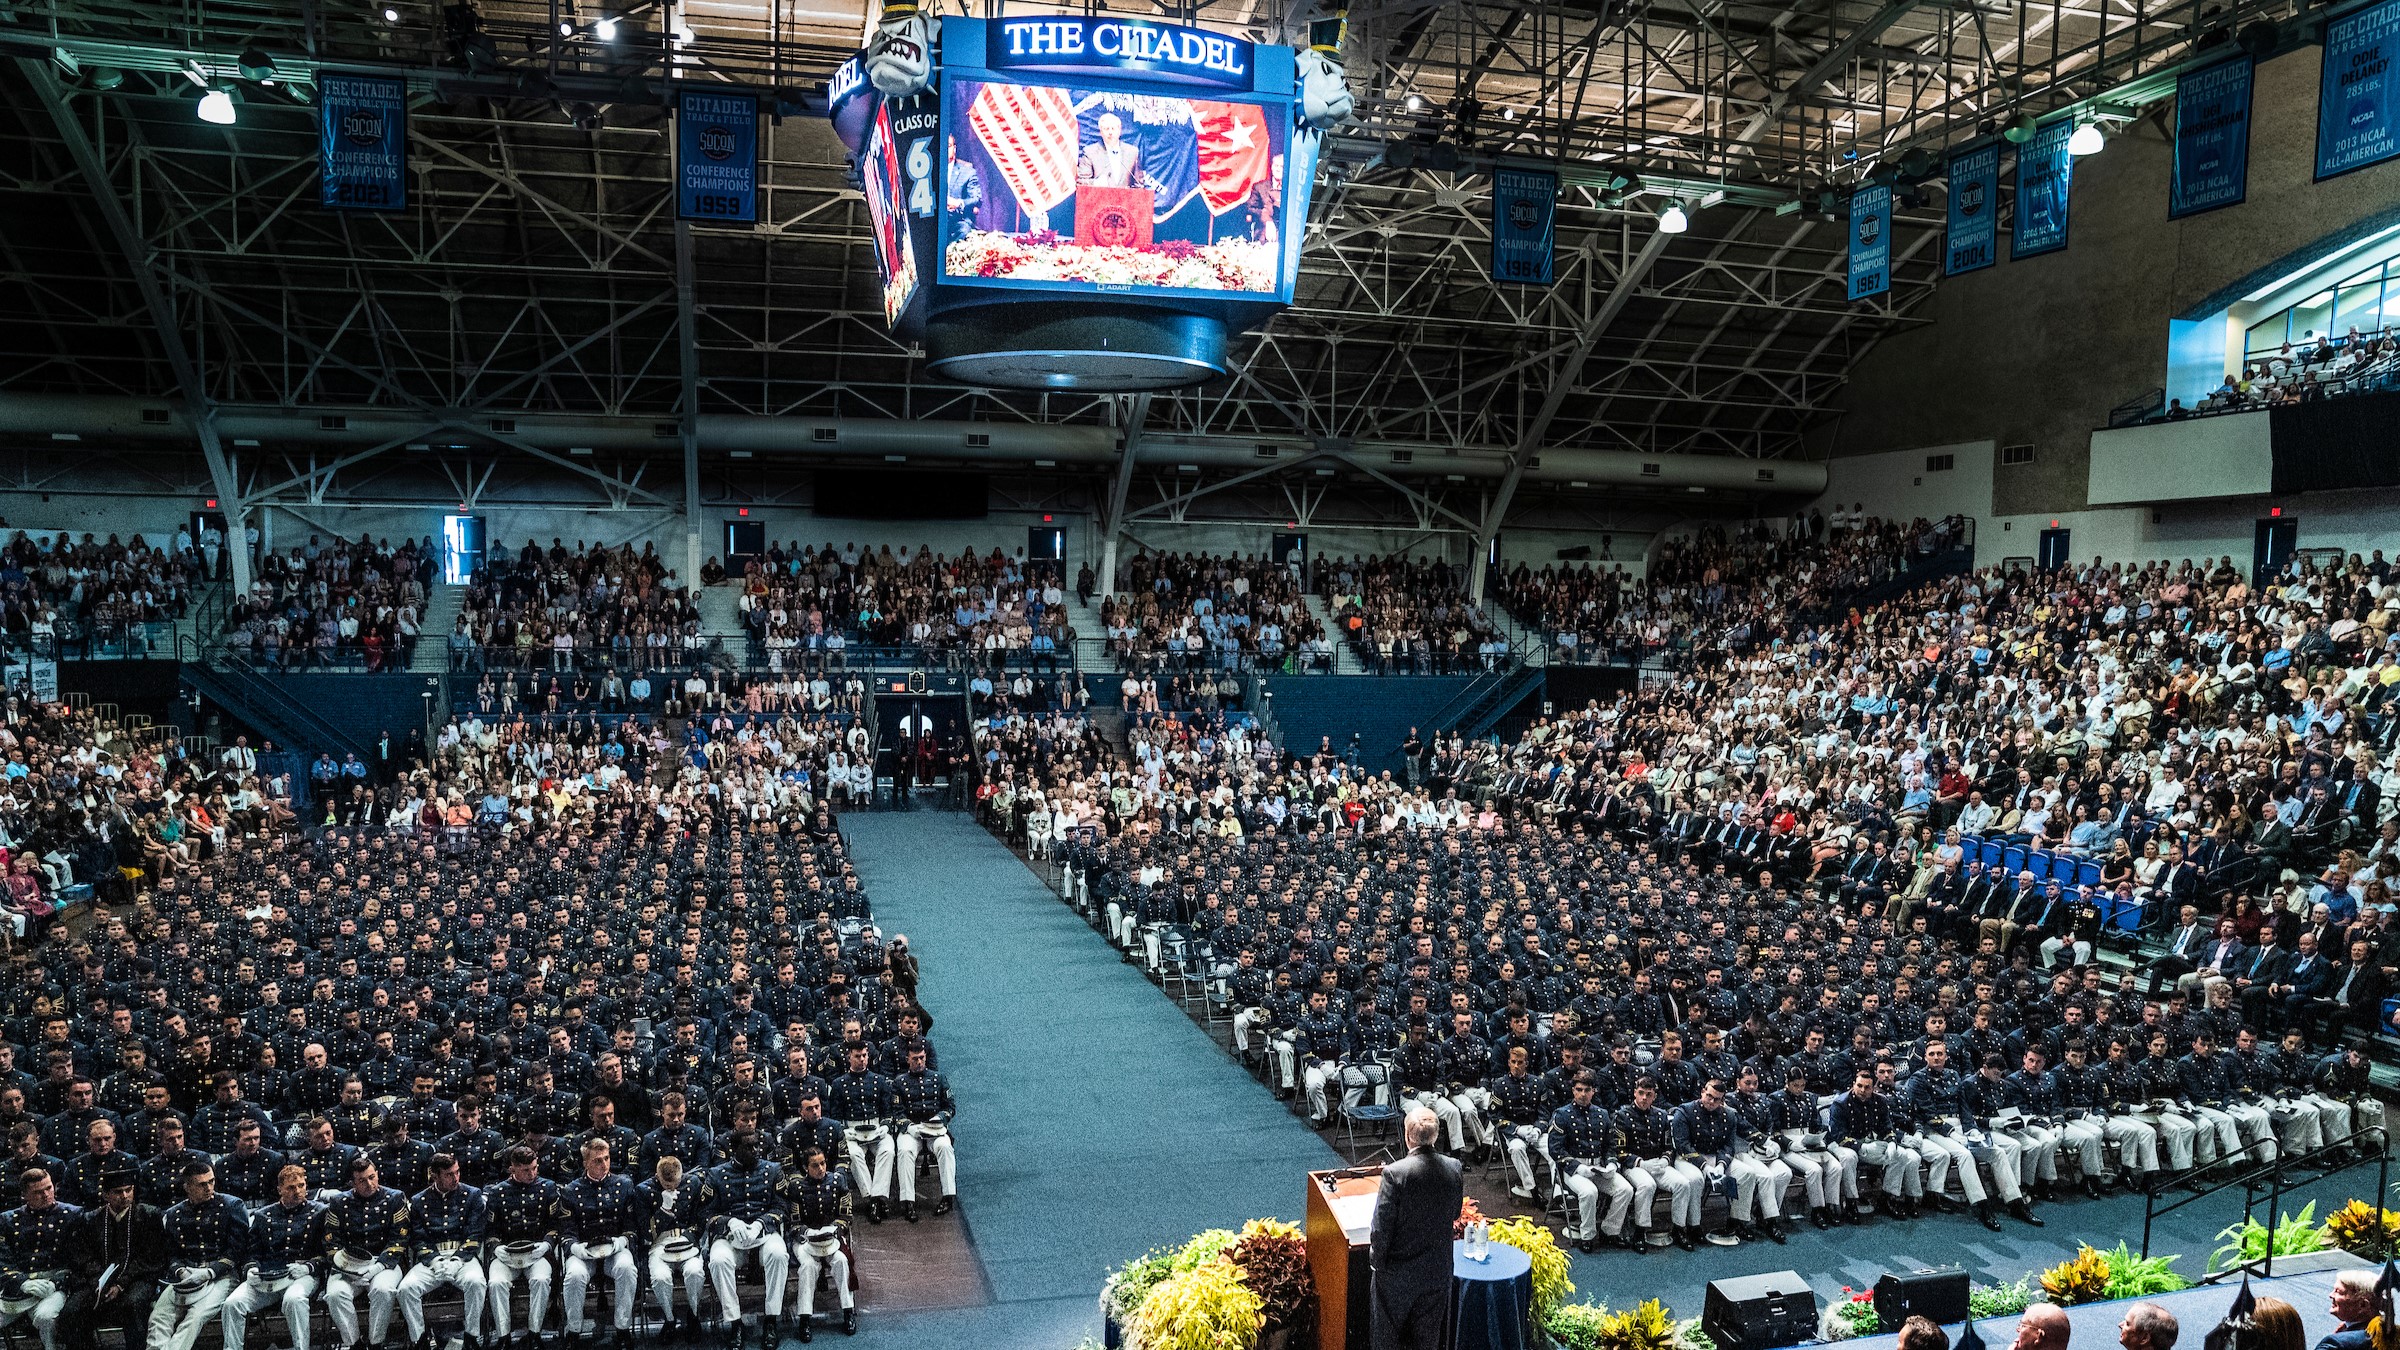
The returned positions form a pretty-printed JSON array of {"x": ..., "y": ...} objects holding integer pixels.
[{"x": 1095, "y": 1119}]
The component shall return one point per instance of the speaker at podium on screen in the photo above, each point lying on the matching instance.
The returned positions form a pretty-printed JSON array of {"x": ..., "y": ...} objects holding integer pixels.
[{"x": 1113, "y": 217}]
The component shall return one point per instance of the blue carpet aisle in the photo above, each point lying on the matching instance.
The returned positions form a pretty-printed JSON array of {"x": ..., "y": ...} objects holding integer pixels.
[{"x": 1095, "y": 1120}]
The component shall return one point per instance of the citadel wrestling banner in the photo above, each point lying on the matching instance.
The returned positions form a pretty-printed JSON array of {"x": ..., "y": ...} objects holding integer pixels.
[
  {"x": 1524, "y": 219},
  {"x": 1973, "y": 239},
  {"x": 2358, "y": 104},
  {"x": 362, "y": 125},
  {"x": 2212, "y": 138},
  {"x": 2044, "y": 172},
  {"x": 1870, "y": 241}
]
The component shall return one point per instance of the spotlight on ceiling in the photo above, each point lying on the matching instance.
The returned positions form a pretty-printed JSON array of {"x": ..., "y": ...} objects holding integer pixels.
[
  {"x": 216, "y": 108},
  {"x": 565, "y": 29},
  {"x": 2020, "y": 129},
  {"x": 1415, "y": 103},
  {"x": 585, "y": 115},
  {"x": 2087, "y": 139},
  {"x": 605, "y": 30},
  {"x": 102, "y": 77},
  {"x": 1672, "y": 220},
  {"x": 255, "y": 65},
  {"x": 391, "y": 14}
]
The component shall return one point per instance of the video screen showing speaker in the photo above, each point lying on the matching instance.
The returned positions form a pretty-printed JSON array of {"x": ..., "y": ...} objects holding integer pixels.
[{"x": 1760, "y": 1312}]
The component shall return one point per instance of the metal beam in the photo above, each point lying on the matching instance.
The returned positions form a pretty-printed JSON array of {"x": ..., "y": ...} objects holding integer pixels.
[
  {"x": 688, "y": 425},
  {"x": 1530, "y": 441},
  {"x": 1132, "y": 413},
  {"x": 139, "y": 257}
]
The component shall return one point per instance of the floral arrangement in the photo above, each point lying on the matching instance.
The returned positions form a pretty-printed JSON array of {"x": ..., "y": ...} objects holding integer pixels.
[
  {"x": 2249, "y": 1240},
  {"x": 1273, "y": 1260},
  {"x": 1854, "y": 1315},
  {"x": 1045, "y": 255},
  {"x": 1468, "y": 1212},
  {"x": 2000, "y": 1300},
  {"x": 1586, "y": 1326},
  {"x": 1550, "y": 1283},
  {"x": 1218, "y": 1291},
  {"x": 2368, "y": 1230},
  {"x": 2084, "y": 1279},
  {"x": 1204, "y": 1308},
  {"x": 2096, "y": 1275}
]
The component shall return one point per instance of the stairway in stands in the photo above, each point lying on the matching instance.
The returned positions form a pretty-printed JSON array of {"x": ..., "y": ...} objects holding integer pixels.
[
  {"x": 1345, "y": 657},
  {"x": 442, "y": 606},
  {"x": 721, "y": 615},
  {"x": 1091, "y": 639}
]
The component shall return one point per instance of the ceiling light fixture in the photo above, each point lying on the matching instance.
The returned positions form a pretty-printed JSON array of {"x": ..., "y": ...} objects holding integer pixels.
[
  {"x": 1672, "y": 220},
  {"x": 216, "y": 108},
  {"x": 605, "y": 30},
  {"x": 1415, "y": 104},
  {"x": 2087, "y": 140}
]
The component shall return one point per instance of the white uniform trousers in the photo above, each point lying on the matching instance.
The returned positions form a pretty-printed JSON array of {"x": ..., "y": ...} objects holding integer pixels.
[
  {"x": 1286, "y": 1045},
  {"x": 2257, "y": 1129},
  {"x": 2220, "y": 1136},
  {"x": 2333, "y": 1117},
  {"x": 2136, "y": 1141},
  {"x": 177, "y": 1319},
  {"x": 2088, "y": 1136},
  {"x": 1760, "y": 1181},
  {"x": 1820, "y": 1176},
  {"x": 2298, "y": 1126},
  {"x": 1243, "y": 1019},
  {"x": 261, "y": 1292},
  {"x": 808, "y": 1263},
  {"x": 1523, "y": 1142},
  {"x": 918, "y": 1139},
  {"x": 341, "y": 1303},
  {"x": 1588, "y": 1182},
  {"x": 2004, "y": 1155},
  {"x": 1443, "y": 1107},
  {"x": 1315, "y": 1075},
  {"x": 1361, "y": 1078},
  {"x": 499, "y": 1279},
  {"x": 1472, "y": 1103},
  {"x": 45, "y": 1304},
  {"x": 2178, "y": 1135},
  {"x": 1681, "y": 1181},
  {"x": 624, "y": 1281},
  {"x": 1944, "y": 1153},
  {"x": 457, "y": 1270},
  {"x": 774, "y": 1267},
  {"x": 870, "y": 1149},
  {"x": 2037, "y": 1153},
  {"x": 1898, "y": 1164},
  {"x": 692, "y": 1271}
]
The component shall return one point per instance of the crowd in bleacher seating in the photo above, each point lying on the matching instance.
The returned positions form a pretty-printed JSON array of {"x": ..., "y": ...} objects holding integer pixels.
[
  {"x": 2330, "y": 367},
  {"x": 589, "y": 608},
  {"x": 68, "y": 592},
  {"x": 2022, "y": 803},
  {"x": 1713, "y": 587},
  {"x": 623, "y": 973},
  {"x": 338, "y": 603},
  {"x": 808, "y": 606},
  {"x": 696, "y": 690},
  {"x": 1407, "y": 616},
  {"x": 1185, "y": 611}
]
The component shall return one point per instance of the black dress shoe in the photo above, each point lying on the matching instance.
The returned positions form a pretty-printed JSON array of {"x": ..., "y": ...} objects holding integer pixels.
[
  {"x": 2093, "y": 1187},
  {"x": 1774, "y": 1229},
  {"x": 1817, "y": 1216},
  {"x": 849, "y": 1321},
  {"x": 1685, "y": 1240},
  {"x": 2024, "y": 1213},
  {"x": 908, "y": 1210},
  {"x": 733, "y": 1334},
  {"x": 949, "y": 1202},
  {"x": 1587, "y": 1246},
  {"x": 806, "y": 1334},
  {"x": 1984, "y": 1216},
  {"x": 875, "y": 1209}
]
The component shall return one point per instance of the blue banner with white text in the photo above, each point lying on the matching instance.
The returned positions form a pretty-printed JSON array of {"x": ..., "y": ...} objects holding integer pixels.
[
  {"x": 362, "y": 124},
  {"x": 716, "y": 156},
  {"x": 2044, "y": 171},
  {"x": 1524, "y": 211},
  {"x": 1973, "y": 239},
  {"x": 2212, "y": 138},
  {"x": 2358, "y": 101},
  {"x": 1870, "y": 241}
]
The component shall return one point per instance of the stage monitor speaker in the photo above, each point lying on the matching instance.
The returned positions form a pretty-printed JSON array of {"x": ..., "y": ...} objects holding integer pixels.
[
  {"x": 1939, "y": 1296},
  {"x": 1760, "y": 1312}
]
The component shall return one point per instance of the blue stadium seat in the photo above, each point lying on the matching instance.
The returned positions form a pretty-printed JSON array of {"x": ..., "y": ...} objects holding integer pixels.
[
  {"x": 2065, "y": 867},
  {"x": 2087, "y": 873}
]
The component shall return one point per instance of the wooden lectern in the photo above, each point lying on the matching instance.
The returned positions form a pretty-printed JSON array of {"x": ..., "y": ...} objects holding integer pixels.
[{"x": 1341, "y": 1208}]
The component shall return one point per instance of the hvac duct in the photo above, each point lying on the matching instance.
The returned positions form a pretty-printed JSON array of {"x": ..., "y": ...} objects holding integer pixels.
[{"x": 100, "y": 420}]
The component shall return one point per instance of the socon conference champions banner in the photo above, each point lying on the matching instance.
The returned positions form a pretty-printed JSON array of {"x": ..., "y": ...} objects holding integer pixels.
[
  {"x": 1524, "y": 212},
  {"x": 716, "y": 156},
  {"x": 1973, "y": 239},
  {"x": 2044, "y": 169},
  {"x": 2358, "y": 106},
  {"x": 2212, "y": 138},
  {"x": 363, "y": 141},
  {"x": 1870, "y": 241}
]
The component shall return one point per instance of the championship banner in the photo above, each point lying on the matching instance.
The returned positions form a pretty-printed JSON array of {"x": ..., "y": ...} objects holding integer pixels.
[
  {"x": 2044, "y": 170},
  {"x": 2212, "y": 138},
  {"x": 1524, "y": 223},
  {"x": 1973, "y": 240},
  {"x": 2358, "y": 105},
  {"x": 1870, "y": 241},
  {"x": 362, "y": 137},
  {"x": 716, "y": 156}
]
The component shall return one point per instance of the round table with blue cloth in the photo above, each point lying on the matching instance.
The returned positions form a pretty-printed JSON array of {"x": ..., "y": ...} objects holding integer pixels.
[{"x": 1491, "y": 1301}]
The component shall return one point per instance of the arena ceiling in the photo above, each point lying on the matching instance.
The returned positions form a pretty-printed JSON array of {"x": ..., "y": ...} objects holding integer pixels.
[{"x": 145, "y": 253}]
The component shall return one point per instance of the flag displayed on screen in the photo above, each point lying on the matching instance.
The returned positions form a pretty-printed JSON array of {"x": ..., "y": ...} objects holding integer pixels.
[
  {"x": 1235, "y": 153},
  {"x": 1029, "y": 131}
]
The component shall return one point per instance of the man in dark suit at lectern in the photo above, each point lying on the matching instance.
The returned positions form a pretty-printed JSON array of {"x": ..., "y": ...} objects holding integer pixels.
[{"x": 1409, "y": 1243}]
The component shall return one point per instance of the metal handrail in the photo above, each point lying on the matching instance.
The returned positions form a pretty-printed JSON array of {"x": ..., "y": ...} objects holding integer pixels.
[{"x": 2272, "y": 1172}]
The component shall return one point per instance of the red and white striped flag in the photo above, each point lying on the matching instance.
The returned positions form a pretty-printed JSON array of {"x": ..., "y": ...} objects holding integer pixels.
[
  {"x": 1031, "y": 135},
  {"x": 1235, "y": 152}
]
